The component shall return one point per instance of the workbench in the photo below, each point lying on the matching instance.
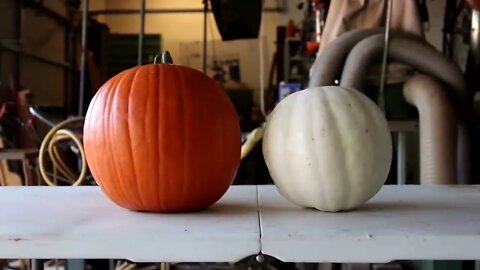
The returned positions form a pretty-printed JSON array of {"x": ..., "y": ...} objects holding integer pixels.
[{"x": 399, "y": 223}]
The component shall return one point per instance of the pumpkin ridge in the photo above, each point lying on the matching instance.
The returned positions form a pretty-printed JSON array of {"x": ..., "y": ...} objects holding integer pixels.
[
  {"x": 161, "y": 113},
  {"x": 317, "y": 120},
  {"x": 88, "y": 136},
  {"x": 184, "y": 132},
  {"x": 156, "y": 151},
  {"x": 173, "y": 180},
  {"x": 371, "y": 114},
  {"x": 111, "y": 123},
  {"x": 130, "y": 146},
  {"x": 361, "y": 102},
  {"x": 107, "y": 135},
  {"x": 298, "y": 102},
  {"x": 348, "y": 193},
  {"x": 104, "y": 104},
  {"x": 285, "y": 193},
  {"x": 325, "y": 109},
  {"x": 342, "y": 157}
]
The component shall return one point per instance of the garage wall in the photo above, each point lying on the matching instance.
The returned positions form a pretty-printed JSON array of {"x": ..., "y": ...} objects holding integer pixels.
[
  {"x": 39, "y": 35},
  {"x": 44, "y": 37},
  {"x": 8, "y": 17},
  {"x": 177, "y": 27},
  {"x": 187, "y": 28},
  {"x": 98, "y": 5}
]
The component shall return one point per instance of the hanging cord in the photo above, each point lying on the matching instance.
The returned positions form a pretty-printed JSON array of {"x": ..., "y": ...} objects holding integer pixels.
[
  {"x": 381, "y": 101},
  {"x": 257, "y": 134},
  {"x": 212, "y": 41},
  {"x": 262, "y": 60},
  {"x": 49, "y": 145}
]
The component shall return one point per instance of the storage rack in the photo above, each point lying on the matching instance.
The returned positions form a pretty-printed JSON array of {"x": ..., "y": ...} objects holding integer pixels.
[
  {"x": 13, "y": 46},
  {"x": 69, "y": 63},
  {"x": 142, "y": 12}
]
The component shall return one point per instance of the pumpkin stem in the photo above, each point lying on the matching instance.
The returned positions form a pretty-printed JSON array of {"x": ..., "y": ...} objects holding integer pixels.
[{"x": 165, "y": 58}]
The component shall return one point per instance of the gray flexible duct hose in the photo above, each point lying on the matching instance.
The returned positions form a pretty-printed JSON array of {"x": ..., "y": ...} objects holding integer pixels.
[
  {"x": 425, "y": 59},
  {"x": 438, "y": 129},
  {"x": 420, "y": 55},
  {"x": 328, "y": 66}
]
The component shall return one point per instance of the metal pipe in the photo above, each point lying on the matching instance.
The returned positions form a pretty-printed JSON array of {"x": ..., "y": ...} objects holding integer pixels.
[
  {"x": 37, "y": 264},
  {"x": 33, "y": 56},
  {"x": 40, "y": 7},
  {"x": 401, "y": 158},
  {"x": 475, "y": 37},
  {"x": 83, "y": 59},
  {"x": 18, "y": 37},
  {"x": 381, "y": 101},
  {"x": 142, "y": 33},
  {"x": 34, "y": 111},
  {"x": 168, "y": 10},
  {"x": 205, "y": 14}
]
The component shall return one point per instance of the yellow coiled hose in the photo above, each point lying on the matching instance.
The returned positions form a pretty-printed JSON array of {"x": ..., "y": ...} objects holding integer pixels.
[{"x": 49, "y": 146}]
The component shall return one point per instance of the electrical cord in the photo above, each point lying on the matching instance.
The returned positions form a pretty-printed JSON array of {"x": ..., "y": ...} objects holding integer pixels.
[
  {"x": 262, "y": 79},
  {"x": 50, "y": 146},
  {"x": 256, "y": 135}
]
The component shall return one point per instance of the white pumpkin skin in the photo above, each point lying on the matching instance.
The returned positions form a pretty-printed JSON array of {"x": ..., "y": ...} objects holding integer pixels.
[{"x": 327, "y": 148}]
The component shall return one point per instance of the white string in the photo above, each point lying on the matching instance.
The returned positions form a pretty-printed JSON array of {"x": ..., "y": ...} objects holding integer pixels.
[
  {"x": 261, "y": 54},
  {"x": 212, "y": 33}
]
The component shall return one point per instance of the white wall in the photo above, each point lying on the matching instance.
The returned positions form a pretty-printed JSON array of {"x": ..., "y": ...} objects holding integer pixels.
[
  {"x": 181, "y": 28},
  {"x": 98, "y": 5},
  {"x": 176, "y": 27},
  {"x": 44, "y": 37},
  {"x": 436, "y": 13},
  {"x": 293, "y": 13}
]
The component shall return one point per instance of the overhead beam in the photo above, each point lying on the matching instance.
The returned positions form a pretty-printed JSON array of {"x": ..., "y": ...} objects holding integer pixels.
[
  {"x": 20, "y": 52},
  {"x": 164, "y": 11},
  {"x": 38, "y": 6}
]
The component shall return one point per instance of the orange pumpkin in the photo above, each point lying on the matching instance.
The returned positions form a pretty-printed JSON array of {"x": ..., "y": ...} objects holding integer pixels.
[{"x": 162, "y": 138}]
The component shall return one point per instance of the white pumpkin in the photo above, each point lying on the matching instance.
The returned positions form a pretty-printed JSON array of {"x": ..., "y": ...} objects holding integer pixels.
[{"x": 327, "y": 148}]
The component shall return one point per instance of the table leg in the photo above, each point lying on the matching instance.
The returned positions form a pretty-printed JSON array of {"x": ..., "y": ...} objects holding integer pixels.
[
  {"x": 164, "y": 266},
  {"x": 37, "y": 264},
  {"x": 3, "y": 180},
  {"x": 76, "y": 264},
  {"x": 26, "y": 172},
  {"x": 401, "y": 158}
]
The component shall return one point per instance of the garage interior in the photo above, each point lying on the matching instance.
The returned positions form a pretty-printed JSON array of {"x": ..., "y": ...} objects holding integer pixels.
[{"x": 416, "y": 61}]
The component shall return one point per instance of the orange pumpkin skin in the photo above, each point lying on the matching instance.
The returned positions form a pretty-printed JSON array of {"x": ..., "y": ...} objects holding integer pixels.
[{"x": 162, "y": 138}]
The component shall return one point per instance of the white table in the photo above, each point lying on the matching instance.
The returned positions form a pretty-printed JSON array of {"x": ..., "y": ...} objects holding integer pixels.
[
  {"x": 80, "y": 222},
  {"x": 401, "y": 222}
]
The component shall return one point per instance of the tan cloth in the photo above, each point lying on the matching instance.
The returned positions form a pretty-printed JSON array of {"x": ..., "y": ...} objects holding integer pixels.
[{"x": 346, "y": 15}]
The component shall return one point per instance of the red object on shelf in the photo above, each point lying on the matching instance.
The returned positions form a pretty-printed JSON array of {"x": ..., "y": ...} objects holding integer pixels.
[
  {"x": 312, "y": 47},
  {"x": 291, "y": 29},
  {"x": 475, "y": 4}
]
